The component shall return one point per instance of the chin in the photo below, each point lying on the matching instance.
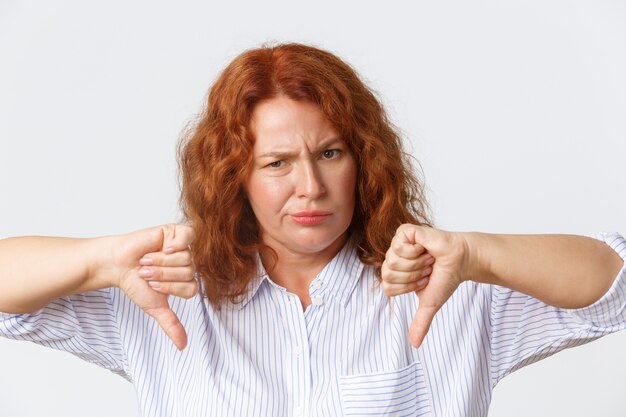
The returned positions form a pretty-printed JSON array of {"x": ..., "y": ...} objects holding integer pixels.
[
  {"x": 308, "y": 247},
  {"x": 314, "y": 244}
]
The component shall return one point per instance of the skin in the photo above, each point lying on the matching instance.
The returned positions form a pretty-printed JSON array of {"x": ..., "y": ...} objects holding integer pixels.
[
  {"x": 300, "y": 164},
  {"x": 34, "y": 270},
  {"x": 565, "y": 271}
]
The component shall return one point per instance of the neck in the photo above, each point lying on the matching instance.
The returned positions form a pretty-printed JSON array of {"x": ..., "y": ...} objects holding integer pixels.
[{"x": 294, "y": 270}]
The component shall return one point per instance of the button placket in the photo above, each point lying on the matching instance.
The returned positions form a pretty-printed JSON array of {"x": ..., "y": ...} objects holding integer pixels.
[
  {"x": 297, "y": 350},
  {"x": 317, "y": 300},
  {"x": 315, "y": 285},
  {"x": 300, "y": 357}
]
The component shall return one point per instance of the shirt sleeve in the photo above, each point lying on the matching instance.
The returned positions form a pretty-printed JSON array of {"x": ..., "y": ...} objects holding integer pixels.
[
  {"x": 81, "y": 324},
  {"x": 525, "y": 330}
]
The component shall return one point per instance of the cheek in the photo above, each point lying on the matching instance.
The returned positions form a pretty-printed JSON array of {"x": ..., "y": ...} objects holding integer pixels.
[{"x": 269, "y": 194}]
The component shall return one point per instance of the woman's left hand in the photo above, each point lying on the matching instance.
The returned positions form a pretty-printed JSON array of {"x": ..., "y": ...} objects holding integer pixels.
[{"x": 406, "y": 265}]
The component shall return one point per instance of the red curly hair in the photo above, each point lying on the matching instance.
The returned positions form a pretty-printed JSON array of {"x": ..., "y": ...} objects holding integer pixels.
[{"x": 215, "y": 158}]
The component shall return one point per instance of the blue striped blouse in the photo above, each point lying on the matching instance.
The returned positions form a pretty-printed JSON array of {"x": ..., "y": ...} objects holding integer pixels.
[{"x": 347, "y": 354}]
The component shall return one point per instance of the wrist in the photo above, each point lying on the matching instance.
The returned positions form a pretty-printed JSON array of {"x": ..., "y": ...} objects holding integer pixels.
[
  {"x": 100, "y": 254},
  {"x": 476, "y": 262}
]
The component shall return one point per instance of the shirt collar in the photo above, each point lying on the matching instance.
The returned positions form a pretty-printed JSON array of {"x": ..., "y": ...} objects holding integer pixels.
[
  {"x": 338, "y": 278},
  {"x": 254, "y": 284}
]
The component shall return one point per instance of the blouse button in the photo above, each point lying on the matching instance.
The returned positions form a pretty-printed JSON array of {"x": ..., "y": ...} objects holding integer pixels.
[{"x": 318, "y": 301}]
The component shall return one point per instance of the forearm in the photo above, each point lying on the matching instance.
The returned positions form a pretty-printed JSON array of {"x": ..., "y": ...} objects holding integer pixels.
[
  {"x": 566, "y": 271},
  {"x": 36, "y": 270}
]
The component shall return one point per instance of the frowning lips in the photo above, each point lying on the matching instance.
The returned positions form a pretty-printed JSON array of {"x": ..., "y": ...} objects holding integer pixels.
[{"x": 310, "y": 217}]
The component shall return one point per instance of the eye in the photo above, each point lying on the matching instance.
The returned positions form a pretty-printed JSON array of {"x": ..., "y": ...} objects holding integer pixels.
[
  {"x": 275, "y": 164},
  {"x": 331, "y": 153}
]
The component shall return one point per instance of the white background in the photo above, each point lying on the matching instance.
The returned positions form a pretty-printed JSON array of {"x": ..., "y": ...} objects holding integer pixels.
[{"x": 516, "y": 111}]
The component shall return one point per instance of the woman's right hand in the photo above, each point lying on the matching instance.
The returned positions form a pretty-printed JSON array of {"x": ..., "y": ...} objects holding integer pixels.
[{"x": 150, "y": 264}]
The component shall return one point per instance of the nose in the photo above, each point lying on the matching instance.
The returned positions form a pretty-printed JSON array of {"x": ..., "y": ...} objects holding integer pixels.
[{"x": 309, "y": 183}]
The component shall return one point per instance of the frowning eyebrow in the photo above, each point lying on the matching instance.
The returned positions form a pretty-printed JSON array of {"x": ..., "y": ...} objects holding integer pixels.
[{"x": 284, "y": 154}]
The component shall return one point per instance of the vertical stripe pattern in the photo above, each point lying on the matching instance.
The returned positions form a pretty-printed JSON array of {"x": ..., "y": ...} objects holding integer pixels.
[{"x": 348, "y": 354}]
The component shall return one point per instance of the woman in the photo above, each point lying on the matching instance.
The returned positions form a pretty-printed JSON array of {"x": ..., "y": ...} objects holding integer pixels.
[{"x": 300, "y": 202}]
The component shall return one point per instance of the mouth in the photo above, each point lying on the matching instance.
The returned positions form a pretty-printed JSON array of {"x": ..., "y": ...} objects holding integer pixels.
[{"x": 310, "y": 217}]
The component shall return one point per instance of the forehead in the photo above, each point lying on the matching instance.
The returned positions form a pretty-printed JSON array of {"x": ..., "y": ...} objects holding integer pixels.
[{"x": 283, "y": 121}]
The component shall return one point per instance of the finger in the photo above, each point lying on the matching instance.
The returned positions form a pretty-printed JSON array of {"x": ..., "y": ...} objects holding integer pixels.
[
  {"x": 181, "y": 258},
  {"x": 177, "y": 237},
  {"x": 165, "y": 273},
  {"x": 400, "y": 248},
  {"x": 170, "y": 324},
  {"x": 409, "y": 233},
  {"x": 392, "y": 290},
  {"x": 395, "y": 263},
  {"x": 403, "y": 278},
  {"x": 178, "y": 289},
  {"x": 421, "y": 324}
]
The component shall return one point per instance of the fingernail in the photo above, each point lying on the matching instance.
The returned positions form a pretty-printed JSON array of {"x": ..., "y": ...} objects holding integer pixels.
[
  {"x": 429, "y": 261},
  {"x": 169, "y": 250},
  {"x": 145, "y": 272},
  {"x": 146, "y": 261},
  {"x": 154, "y": 285},
  {"x": 422, "y": 282}
]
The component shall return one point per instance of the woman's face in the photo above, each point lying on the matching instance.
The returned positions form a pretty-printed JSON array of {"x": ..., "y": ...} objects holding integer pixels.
[{"x": 302, "y": 184}]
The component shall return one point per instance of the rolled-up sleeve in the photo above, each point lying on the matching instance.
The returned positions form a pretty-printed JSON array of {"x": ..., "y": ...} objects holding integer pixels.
[
  {"x": 610, "y": 310},
  {"x": 524, "y": 330},
  {"x": 82, "y": 324}
]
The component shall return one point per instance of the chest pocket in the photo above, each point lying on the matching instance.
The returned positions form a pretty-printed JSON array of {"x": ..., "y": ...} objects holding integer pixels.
[{"x": 401, "y": 392}]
